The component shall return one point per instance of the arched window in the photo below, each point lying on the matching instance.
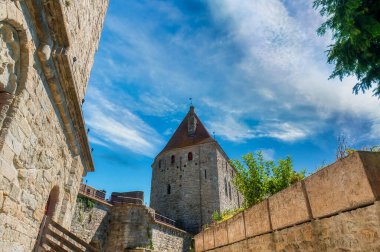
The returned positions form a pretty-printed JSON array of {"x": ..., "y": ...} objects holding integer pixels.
[
  {"x": 159, "y": 163},
  {"x": 168, "y": 189},
  {"x": 190, "y": 156},
  {"x": 173, "y": 159}
]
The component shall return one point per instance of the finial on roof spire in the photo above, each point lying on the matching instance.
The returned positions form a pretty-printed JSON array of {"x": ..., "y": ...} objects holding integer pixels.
[{"x": 191, "y": 106}]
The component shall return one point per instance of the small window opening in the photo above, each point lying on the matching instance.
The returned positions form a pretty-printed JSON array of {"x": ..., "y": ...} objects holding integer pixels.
[
  {"x": 205, "y": 174},
  {"x": 169, "y": 189},
  {"x": 173, "y": 159},
  {"x": 190, "y": 156},
  {"x": 225, "y": 187},
  {"x": 229, "y": 188},
  {"x": 159, "y": 164}
]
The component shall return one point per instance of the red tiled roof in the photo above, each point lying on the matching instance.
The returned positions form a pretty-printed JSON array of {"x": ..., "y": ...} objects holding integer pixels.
[{"x": 181, "y": 138}]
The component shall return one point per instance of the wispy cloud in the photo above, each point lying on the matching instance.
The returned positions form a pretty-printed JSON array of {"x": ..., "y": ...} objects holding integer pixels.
[
  {"x": 283, "y": 75},
  {"x": 256, "y": 69},
  {"x": 113, "y": 124}
]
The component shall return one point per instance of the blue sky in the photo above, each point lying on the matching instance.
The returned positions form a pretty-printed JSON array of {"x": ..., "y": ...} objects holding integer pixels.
[{"x": 256, "y": 71}]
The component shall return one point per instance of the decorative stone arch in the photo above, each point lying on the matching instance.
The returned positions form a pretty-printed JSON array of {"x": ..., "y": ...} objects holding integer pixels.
[{"x": 15, "y": 60}]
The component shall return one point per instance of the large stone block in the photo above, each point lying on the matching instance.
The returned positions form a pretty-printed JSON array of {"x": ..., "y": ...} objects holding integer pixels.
[
  {"x": 288, "y": 207},
  {"x": 198, "y": 242},
  {"x": 208, "y": 239},
  {"x": 236, "y": 229},
  {"x": 343, "y": 185},
  {"x": 257, "y": 219},
  {"x": 221, "y": 234},
  {"x": 371, "y": 163}
]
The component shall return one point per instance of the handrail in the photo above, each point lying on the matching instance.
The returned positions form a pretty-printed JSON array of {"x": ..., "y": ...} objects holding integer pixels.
[
  {"x": 51, "y": 232},
  {"x": 164, "y": 219}
]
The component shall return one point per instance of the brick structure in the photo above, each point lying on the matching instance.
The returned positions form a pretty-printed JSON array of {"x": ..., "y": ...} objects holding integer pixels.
[
  {"x": 192, "y": 177},
  {"x": 46, "y": 54}
]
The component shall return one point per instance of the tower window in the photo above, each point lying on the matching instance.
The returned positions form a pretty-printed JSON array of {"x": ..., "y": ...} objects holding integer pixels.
[
  {"x": 168, "y": 189},
  {"x": 159, "y": 164},
  {"x": 205, "y": 174},
  {"x": 229, "y": 188},
  {"x": 225, "y": 187},
  {"x": 190, "y": 156},
  {"x": 173, "y": 159}
]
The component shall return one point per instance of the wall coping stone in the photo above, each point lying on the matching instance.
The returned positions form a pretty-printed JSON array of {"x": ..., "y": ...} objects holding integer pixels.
[{"x": 347, "y": 184}]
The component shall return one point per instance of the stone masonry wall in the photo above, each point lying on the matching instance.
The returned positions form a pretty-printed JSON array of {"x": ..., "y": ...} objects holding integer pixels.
[
  {"x": 35, "y": 156},
  {"x": 90, "y": 223},
  {"x": 229, "y": 196},
  {"x": 133, "y": 226},
  {"x": 84, "y": 21},
  {"x": 335, "y": 209},
  {"x": 196, "y": 186}
]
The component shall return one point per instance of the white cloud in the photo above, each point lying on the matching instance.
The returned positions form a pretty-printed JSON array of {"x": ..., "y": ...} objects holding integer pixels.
[
  {"x": 283, "y": 76},
  {"x": 113, "y": 124}
]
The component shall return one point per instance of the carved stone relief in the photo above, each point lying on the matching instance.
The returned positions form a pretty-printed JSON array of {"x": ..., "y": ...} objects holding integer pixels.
[{"x": 9, "y": 67}]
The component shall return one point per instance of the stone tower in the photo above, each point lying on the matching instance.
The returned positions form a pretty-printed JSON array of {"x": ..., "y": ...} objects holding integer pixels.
[{"x": 192, "y": 177}]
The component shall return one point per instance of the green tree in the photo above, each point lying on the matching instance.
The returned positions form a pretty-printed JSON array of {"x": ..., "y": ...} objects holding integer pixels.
[
  {"x": 257, "y": 178},
  {"x": 355, "y": 27}
]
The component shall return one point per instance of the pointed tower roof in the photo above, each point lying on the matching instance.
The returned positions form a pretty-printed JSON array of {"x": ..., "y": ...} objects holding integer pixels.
[{"x": 184, "y": 136}]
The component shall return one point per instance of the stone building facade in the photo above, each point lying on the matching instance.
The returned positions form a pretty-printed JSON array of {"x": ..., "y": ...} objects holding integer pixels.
[
  {"x": 46, "y": 54},
  {"x": 192, "y": 177}
]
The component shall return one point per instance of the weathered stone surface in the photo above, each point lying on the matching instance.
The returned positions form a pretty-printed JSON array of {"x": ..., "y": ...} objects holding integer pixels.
[
  {"x": 35, "y": 154},
  {"x": 342, "y": 185},
  {"x": 288, "y": 207},
  {"x": 257, "y": 219},
  {"x": 198, "y": 242},
  {"x": 133, "y": 226},
  {"x": 356, "y": 229},
  {"x": 372, "y": 168},
  {"x": 221, "y": 234},
  {"x": 91, "y": 223},
  {"x": 236, "y": 228},
  {"x": 198, "y": 187},
  {"x": 208, "y": 239}
]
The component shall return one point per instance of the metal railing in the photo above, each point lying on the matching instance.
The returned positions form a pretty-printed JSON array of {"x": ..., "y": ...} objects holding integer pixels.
[
  {"x": 88, "y": 190},
  {"x": 161, "y": 218}
]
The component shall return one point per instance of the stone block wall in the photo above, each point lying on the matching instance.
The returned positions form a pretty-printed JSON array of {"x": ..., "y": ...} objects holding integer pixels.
[
  {"x": 43, "y": 151},
  {"x": 84, "y": 21},
  {"x": 335, "y": 209},
  {"x": 198, "y": 187},
  {"x": 90, "y": 220},
  {"x": 133, "y": 226}
]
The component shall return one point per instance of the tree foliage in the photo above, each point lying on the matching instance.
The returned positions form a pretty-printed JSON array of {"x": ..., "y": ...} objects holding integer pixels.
[
  {"x": 257, "y": 178},
  {"x": 355, "y": 27}
]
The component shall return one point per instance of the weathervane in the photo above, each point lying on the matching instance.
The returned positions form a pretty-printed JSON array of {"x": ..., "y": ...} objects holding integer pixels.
[{"x": 191, "y": 101}]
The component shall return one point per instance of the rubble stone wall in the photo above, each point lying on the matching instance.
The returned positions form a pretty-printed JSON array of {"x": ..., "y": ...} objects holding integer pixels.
[
  {"x": 335, "y": 209},
  {"x": 133, "y": 226},
  {"x": 198, "y": 187},
  {"x": 90, "y": 220}
]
